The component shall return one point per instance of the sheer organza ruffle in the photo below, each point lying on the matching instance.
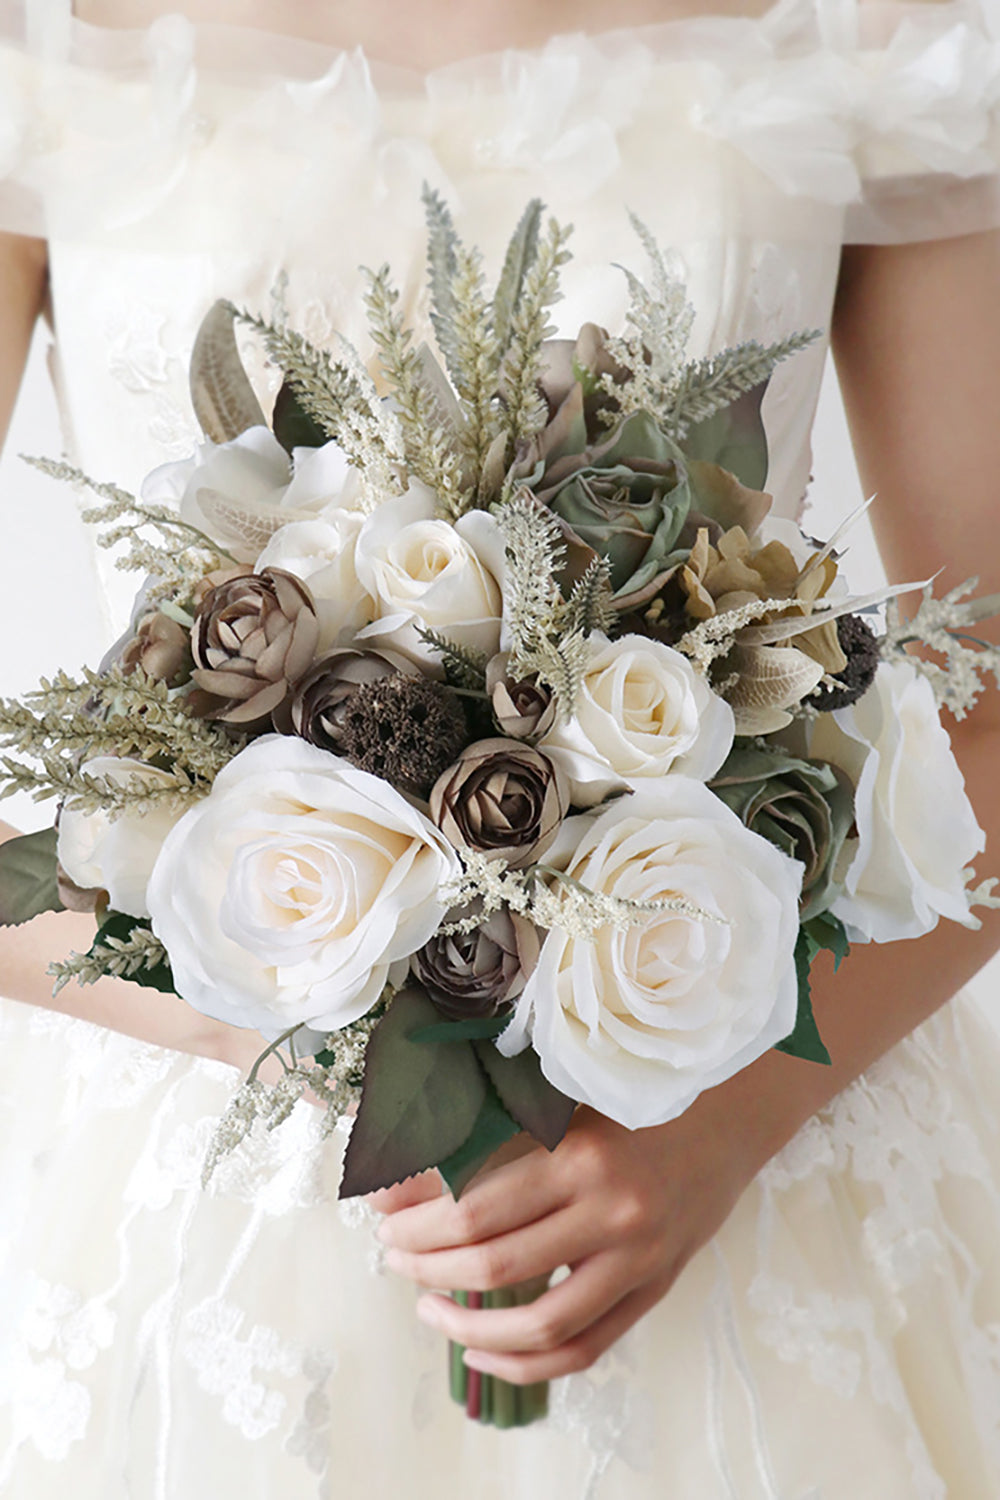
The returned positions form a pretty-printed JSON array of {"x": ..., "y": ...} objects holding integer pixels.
[{"x": 889, "y": 111}]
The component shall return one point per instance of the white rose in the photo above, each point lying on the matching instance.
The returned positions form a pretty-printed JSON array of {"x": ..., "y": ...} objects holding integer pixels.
[
  {"x": 426, "y": 573},
  {"x": 240, "y": 492},
  {"x": 917, "y": 831},
  {"x": 287, "y": 894},
  {"x": 322, "y": 554},
  {"x": 642, "y": 711},
  {"x": 640, "y": 1020},
  {"x": 116, "y": 855}
]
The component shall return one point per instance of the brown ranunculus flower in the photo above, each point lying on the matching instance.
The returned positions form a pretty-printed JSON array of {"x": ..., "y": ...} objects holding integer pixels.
[
  {"x": 324, "y": 693},
  {"x": 503, "y": 798},
  {"x": 161, "y": 648},
  {"x": 477, "y": 974},
  {"x": 524, "y": 709},
  {"x": 253, "y": 637}
]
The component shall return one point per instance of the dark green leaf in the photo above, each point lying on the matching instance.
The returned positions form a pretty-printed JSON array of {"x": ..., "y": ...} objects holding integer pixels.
[
  {"x": 535, "y": 1103},
  {"x": 120, "y": 925},
  {"x": 461, "y": 1031},
  {"x": 293, "y": 426},
  {"x": 493, "y": 1127},
  {"x": 419, "y": 1102},
  {"x": 28, "y": 883},
  {"x": 827, "y": 931},
  {"x": 805, "y": 1040},
  {"x": 734, "y": 438}
]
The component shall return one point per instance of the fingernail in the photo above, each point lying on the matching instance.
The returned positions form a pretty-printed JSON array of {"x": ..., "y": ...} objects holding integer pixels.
[
  {"x": 395, "y": 1259},
  {"x": 384, "y": 1232}
]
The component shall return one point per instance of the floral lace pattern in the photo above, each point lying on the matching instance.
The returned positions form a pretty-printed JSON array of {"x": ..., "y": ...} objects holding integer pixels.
[{"x": 147, "y": 1318}]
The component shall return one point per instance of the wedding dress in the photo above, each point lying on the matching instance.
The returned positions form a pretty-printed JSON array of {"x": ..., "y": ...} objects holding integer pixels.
[{"x": 840, "y": 1338}]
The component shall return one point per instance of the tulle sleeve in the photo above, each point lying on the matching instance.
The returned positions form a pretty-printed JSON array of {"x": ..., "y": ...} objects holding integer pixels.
[
  {"x": 928, "y": 121},
  {"x": 885, "y": 111}
]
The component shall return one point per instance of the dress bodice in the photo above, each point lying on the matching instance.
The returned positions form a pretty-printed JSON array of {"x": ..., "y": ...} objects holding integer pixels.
[{"x": 177, "y": 164}]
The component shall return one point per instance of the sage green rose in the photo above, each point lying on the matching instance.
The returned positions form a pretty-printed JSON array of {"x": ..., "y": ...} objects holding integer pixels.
[
  {"x": 805, "y": 808},
  {"x": 625, "y": 497}
]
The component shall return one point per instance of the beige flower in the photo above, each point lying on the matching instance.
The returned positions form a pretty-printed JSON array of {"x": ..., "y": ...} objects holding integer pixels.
[
  {"x": 160, "y": 647},
  {"x": 503, "y": 798},
  {"x": 478, "y": 973},
  {"x": 253, "y": 638}
]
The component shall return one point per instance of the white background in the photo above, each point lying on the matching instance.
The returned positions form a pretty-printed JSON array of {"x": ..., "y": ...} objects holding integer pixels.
[{"x": 50, "y": 612}]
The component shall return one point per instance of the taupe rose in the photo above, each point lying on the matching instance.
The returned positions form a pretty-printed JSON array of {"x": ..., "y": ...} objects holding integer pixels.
[
  {"x": 160, "y": 647},
  {"x": 502, "y": 798},
  {"x": 253, "y": 637},
  {"x": 322, "y": 696},
  {"x": 523, "y": 709},
  {"x": 477, "y": 974}
]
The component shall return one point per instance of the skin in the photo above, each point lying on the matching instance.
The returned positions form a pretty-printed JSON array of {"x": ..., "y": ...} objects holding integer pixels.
[{"x": 916, "y": 336}]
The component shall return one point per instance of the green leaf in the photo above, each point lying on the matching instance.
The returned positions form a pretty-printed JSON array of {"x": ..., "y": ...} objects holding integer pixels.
[
  {"x": 805, "y": 1040},
  {"x": 492, "y": 1128},
  {"x": 28, "y": 883},
  {"x": 419, "y": 1102},
  {"x": 734, "y": 438},
  {"x": 119, "y": 925},
  {"x": 827, "y": 931},
  {"x": 293, "y": 426},
  {"x": 461, "y": 1031},
  {"x": 535, "y": 1103}
]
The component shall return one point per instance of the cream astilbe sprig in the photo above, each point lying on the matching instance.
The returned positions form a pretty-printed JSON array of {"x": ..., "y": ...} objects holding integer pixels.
[
  {"x": 62, "y": 724},
  {"x": 548, "y": 636},
  {"x": 335, "y": 1083},
  {"x": 118, "y": 958},
  {"x": 549, "y": 898},
  {"x": 653, "y": 352},
  {"x": 945, "y": 625},
  {"x": 116, "y": 712},
  {"x": 431, "y": 450},
  {"x": 525, "y": 412},
  {"x": 176, "y": 556},
  {"x": 340, "y": 395}
]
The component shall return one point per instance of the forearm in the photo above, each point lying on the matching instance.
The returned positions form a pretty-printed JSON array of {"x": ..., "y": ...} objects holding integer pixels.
[{"x": 23, "y": 270}]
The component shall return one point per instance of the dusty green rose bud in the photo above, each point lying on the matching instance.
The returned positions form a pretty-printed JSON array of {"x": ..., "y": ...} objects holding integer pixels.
[{"x": 805, "y": 808}]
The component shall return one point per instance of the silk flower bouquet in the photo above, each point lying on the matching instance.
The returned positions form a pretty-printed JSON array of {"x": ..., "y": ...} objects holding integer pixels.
[{"x": 481, "y": 739}]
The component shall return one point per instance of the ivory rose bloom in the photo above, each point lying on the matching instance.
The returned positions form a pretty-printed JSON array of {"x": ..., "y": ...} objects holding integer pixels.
[
  {"x": 116, "y": 855},
  {"x": 639, "y": 1020},
  {"x": 241, "y": 491},
  {"x": 322, "y": 554},
  {"x": 917, "y": 831},
  {"x": 642, "y": 711},
  {"x": 288, "y": 894},
  {"x": 425, "y": 573}
]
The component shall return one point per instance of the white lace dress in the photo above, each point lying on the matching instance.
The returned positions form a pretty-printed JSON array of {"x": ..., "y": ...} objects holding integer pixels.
[{"x": 840, "y": 1339}]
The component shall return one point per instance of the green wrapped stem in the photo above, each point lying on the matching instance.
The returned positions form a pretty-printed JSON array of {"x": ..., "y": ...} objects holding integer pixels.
[{"x": 487, "y": 1398}]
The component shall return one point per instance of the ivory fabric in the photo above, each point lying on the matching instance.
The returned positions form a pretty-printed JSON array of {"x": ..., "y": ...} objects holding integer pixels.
[{"x": 841, "y": 1337}]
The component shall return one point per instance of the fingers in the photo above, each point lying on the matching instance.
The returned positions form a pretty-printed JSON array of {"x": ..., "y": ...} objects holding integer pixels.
[
  {"x": 531, "y": 1250},
  {"x": 578, "y": 1352},
  {"x": 564, "y": 1330},
  {"x": 506, "y": 1199},
  {"x": 423, "y": 1188}
]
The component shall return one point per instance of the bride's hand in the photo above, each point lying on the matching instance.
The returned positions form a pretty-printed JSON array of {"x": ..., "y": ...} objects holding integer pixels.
[{"x": 625, "y": 1210}]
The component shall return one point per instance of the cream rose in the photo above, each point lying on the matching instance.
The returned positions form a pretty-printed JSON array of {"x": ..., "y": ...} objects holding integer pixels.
[
  {"x": 287, "y": 894},
  {"x": 427, "y": 574},
  {"x": 116, "y": 855},
  {"x": 322, "y": 554},
  {"x": 642, "y": 712},
  {"x": 638, "y": 1021},
  {"x": 917, "y": 831},
  {"x": 240, "y": 492}
]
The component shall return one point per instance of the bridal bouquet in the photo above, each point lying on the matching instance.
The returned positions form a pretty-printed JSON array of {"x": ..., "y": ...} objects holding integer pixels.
[{"x": 481, "y": 739}]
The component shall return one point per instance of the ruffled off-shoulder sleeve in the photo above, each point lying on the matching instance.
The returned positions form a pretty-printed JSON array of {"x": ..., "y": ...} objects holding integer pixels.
[{"x": 887, "y": 111}]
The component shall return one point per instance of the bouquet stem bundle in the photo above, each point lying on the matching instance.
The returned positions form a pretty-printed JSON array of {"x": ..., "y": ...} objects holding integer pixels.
[{"x": 487, "y": 1398}]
